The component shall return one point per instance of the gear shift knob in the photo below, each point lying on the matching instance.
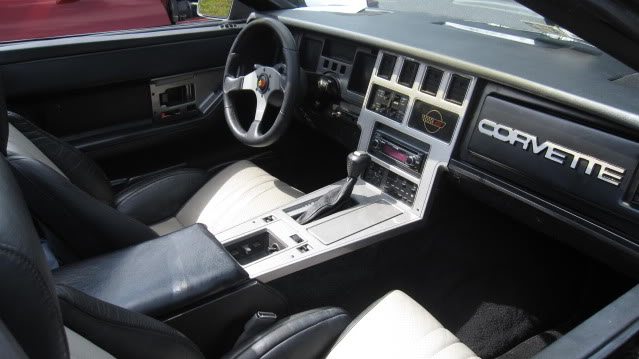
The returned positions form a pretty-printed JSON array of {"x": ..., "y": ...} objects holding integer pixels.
[{"x": 356, "y": 163}]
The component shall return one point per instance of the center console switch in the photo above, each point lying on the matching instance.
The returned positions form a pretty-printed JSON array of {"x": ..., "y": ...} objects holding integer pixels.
[
  {"x": 388, "y": 103},
  {"x": 158, "y": 276}
]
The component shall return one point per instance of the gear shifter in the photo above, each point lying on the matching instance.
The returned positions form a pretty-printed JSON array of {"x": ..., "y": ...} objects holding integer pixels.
[{"x": 333, "y": 201}]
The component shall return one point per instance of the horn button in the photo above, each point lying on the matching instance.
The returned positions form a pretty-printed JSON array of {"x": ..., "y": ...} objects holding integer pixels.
[{"x": 262, "y": 83}]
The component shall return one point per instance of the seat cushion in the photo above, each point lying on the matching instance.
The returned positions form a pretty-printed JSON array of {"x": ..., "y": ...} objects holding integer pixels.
[
  {"x": 396, "y": 326},
  {"x": 240, "y": 192}
]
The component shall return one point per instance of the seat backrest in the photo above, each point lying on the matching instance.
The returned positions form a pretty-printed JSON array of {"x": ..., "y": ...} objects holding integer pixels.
[
  {"x": 67, "y": 192},
  {"x": 28, "y": 140},
  {"x": 28, "y": 305}
]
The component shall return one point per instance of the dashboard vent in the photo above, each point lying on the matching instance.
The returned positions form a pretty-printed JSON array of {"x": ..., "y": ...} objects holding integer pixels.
[
  {"x": 432, "y": 79},
  {"x": 408, "y": 73},
  {"x": 386, "y": 66},
  {"x": 457, "y": 89}
]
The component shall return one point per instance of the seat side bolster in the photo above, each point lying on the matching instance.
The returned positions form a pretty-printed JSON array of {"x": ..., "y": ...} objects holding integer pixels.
[
  {"x": 161, "y": 196},
  {"x": 122, "y": 333},
  {"x": 305, "y": 335}
]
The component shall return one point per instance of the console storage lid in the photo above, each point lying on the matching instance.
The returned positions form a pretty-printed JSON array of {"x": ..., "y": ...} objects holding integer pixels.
[{"x": 158, "y": 276}]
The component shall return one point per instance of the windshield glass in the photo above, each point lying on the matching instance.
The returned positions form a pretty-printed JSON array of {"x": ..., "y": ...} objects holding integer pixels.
[{"x": 495, "y": 13}]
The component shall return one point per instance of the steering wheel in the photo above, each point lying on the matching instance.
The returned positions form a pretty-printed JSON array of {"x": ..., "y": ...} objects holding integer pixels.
[{"x": 276, "y": 86}]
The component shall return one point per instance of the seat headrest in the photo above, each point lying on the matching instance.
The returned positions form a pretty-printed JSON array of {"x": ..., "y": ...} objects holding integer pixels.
[{"x": 4, "y": 123}]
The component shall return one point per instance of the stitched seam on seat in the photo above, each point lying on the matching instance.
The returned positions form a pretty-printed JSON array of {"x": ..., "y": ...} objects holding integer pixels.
[
  {"x": 446, "y": 346},
  {"x": 23, "y": 260},
  {"x": 141, "y": 328},
  {"x": 298, "y": 333},
  {"x": 238, "y": 191},
  {"x": 131, "y": 193},
  {"x": 243, "y": 187},
  {"x": 230, "y": 210}
]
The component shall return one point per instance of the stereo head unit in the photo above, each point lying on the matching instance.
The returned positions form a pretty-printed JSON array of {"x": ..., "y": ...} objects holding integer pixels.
[{"x": 399, "y": 151}]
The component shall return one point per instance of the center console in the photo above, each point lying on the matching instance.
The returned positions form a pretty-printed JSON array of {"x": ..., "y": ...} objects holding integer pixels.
[{"x": 409, "y": 118}]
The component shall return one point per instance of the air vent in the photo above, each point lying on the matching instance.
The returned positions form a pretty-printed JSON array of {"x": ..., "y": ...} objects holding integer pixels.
[
  {"x": 457, "y": 89},
  {"x": 408, "y": 73},
  {"x": 386, "y": 66},
  {"x": 432, "y": 79}
]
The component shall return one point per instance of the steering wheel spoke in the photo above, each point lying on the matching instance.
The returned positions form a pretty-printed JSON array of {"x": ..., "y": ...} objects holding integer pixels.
[
  {"x": 246, "y": 82},
  {"x": 260, "y": 108}
]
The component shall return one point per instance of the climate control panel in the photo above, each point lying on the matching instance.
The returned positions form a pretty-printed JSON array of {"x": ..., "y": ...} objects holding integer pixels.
[{"x": 391, "y": 183}]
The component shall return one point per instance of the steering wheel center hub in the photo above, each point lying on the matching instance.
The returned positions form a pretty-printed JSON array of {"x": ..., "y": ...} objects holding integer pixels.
[{"x": 262, "y": 83}]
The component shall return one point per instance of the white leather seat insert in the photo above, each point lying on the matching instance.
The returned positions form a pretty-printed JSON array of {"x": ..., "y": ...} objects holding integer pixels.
[
  {"x": 396, "y": 326},
  {"x": 239, "y": 193}
]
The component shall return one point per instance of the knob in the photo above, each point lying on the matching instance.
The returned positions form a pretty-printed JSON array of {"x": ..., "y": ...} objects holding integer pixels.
[
  {"x": 356, "y": 163},
  {"x": 328, "y": 87},
  {"x": 412, "y": 160},
  {"x": 377, "y": 143}
]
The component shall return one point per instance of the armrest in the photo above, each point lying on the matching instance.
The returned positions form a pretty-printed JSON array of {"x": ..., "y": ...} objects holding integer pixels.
[
  {"x": 157, "y": 276},
  {"x": 160, "y": 196}
]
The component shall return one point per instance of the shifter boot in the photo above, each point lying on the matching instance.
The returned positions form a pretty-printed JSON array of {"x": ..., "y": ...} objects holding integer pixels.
[
  {"x": 329, "y": 203},
  {"x": 335, "y": 200}
]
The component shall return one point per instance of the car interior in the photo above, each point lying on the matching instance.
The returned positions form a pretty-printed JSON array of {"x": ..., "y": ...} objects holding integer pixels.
[{"x": 291, "y": 183}]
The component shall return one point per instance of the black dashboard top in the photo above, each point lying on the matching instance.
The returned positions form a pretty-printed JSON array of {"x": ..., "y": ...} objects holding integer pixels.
[{"x": 577, "y": 78}]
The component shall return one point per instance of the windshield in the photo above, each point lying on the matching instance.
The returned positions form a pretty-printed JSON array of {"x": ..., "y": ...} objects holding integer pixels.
[{"x": 495, "y": 13}]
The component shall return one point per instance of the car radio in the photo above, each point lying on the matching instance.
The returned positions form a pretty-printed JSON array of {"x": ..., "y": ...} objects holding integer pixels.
[{"x": 397, "y": 152}]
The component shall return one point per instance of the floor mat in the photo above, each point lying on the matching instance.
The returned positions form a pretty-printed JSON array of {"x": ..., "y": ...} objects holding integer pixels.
[{"x": 491, "y": 281}]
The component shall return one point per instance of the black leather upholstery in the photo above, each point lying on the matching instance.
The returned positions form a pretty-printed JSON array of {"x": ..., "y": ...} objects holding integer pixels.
[
  {"x": 81, "y": 209},
  {"x": 158, "y": 197},
  {"x": 28, "y": 305},
  {"x": 81, "y": 170},
  {"x": 157, "y": 276},
  {"x": 4, "y": 125},
  {"x": 305, "y": 335},
  {"x": 88, "y": 227},
  {"x": 35, "y": 313},
  {"x": 124, "y": 334},
  {"x": 9, "y": 346}
]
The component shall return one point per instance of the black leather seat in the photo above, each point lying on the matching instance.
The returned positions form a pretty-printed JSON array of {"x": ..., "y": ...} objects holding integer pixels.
[{"x": 73, "y": 198}]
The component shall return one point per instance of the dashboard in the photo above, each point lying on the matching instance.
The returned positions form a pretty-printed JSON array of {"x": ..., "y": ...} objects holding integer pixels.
[{"x": 552, "y": 131}]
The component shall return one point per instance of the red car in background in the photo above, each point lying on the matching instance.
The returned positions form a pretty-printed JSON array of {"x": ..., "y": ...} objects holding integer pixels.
[{"x": 34, "y": 19}]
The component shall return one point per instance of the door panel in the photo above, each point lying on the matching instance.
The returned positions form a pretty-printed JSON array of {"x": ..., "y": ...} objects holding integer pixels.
[{"x": 99, "y": 96}]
